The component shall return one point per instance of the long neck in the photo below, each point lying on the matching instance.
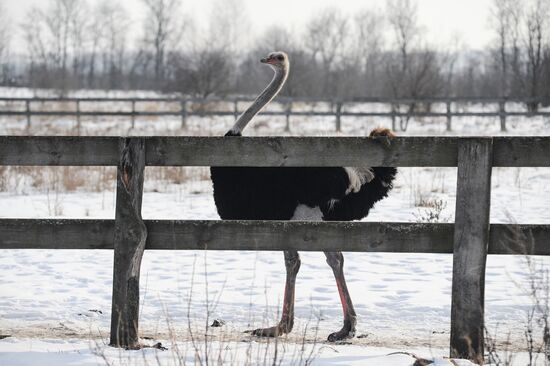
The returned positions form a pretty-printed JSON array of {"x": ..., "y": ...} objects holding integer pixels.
[{"x": 265, "y": 97}]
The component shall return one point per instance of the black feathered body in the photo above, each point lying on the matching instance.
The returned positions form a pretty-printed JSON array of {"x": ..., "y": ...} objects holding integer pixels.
[{"x": 257, "y": 193}]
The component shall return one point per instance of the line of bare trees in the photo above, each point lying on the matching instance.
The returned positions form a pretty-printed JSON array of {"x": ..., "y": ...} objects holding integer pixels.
[
  {"x": 73, "y": 44},
  {"x": 523, "y": 53},
  {"x": 4, "y": 45}
]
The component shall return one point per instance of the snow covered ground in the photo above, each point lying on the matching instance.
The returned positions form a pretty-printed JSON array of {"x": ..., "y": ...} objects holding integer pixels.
[
  {"x": 55, "y": 352},
  {"x": 56, "y": 304}
]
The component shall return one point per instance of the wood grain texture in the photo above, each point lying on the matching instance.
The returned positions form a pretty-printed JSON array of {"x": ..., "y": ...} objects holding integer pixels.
[
  {"x": 283, "y": 99},
  {"x": 243, "y": 151},
  {"x": 301, "y": 151},
  {"x": 266, "y": 235},
  {"x": 532, "y": 151},
  {"x": 519, "y": 239},
  {"x": 59, "y": 150},
  {"x": 311, "y": 113},
  {"x": 303, "y": 236},
  {"x": 269, "y": 151},
  {"x": 129, "y": 244},
  {"x": 471, "y": 241},
  {"x": 56, "y": 234}
]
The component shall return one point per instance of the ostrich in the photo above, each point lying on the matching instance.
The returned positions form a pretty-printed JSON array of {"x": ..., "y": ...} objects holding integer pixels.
[{"x": 299, "y": 193}]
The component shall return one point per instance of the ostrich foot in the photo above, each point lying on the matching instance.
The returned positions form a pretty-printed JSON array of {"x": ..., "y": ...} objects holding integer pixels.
[
  {"x": 275, "y": 331},
  {"x": 347, "y": 331}
]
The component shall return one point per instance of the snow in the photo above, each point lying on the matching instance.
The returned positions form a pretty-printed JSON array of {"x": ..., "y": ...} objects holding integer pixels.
[
  {"x": 56, "y": 304},
  {"x": 54, "y": 352}
]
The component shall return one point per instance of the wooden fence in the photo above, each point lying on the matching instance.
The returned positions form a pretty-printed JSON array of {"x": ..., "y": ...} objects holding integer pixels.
[
  {"x": 399, "y": 110},
  {"x": 470, "y": 238}
]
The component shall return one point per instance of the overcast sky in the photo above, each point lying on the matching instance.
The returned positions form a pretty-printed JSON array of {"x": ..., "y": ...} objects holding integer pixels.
[{"x": 444, "y": 20}]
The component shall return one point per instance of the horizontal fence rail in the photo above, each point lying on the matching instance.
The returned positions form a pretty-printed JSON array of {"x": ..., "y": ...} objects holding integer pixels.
[
  {"x": 286, "y": 99},
  {"x": 269, "y": 151},
  {"x": 394, "y": 237},
  {"x": 469, "y": 239},
  {"x": 398, "y": 108}
]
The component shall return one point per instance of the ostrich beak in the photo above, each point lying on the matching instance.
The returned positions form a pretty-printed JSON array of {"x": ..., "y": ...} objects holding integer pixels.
[{"x": 264, "y": 60}]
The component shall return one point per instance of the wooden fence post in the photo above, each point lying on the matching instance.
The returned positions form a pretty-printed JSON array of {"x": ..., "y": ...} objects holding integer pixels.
[
  {"x": 183, "y": 112},
  {"x": 338, "y": 112},
  {"x": 78, "y": 117},
  {"x": 236, "y": 108},
  {"x": 28, "y": 108},
  {"x": 502, "y": 114},
  {"x": 288, "y": 112},
  {"x": 393, "y": 122},
  {"x": 129, "y": 244},
  {"x": 449, "y": 116},
  {"x": 133, "y": 114},
  {"x": 471, "y": 238}
]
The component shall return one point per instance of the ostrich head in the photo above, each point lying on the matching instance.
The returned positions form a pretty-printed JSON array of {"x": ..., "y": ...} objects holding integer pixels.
[{"x": 278, "y": 61}]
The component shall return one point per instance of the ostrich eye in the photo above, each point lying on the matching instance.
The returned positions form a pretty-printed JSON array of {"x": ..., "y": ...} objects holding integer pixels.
[{"x": 280, "y": 57}]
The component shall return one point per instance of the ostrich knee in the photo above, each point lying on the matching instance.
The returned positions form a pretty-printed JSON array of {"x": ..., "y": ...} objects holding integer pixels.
[
  {"x": 292, "y": 262},
  {"x": 336, "y": 261}
]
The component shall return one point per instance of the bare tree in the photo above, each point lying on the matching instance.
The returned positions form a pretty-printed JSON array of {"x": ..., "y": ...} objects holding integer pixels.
[
  {"x": 4, "y": 45},
  {"x": 95, "y": 31},
  {"x": 505, "y": 19},
  {"x": 109, "y": 39},
  {"x": 536, "y": 22},
  {"x": 78, "y": 38},
  {"x": 325, "y": 39},
  {"x": 337, "y": 55},
  {"x": 229, "y": 26},
  {"x": 229, "y": 32},
  {"x": 53, "y": 36},
  {"x": 203, "y": 73},
  {"x": 415, "y": 71},
  {"x": 163, "y": 29},
  {"x": 403, "y": 19},
  {"x": 64, "y": 20},
  {"x": 214, "y": 52},
  {"x": 367, "y": 49},
  {"x": 36, "y": 48}
]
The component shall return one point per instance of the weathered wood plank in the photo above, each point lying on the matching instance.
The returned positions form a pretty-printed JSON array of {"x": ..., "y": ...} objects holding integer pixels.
[
  {"x": 283, "y": 99},
  {"x": 56, "y": 234},
  {"x": 471, "y": 241},
  {"x": 244, "y": 151},
  {"x": 302, "y": 151},
  {"x": 303, "y": 236},
  {"x": 233, "y": 235},
  {"x": 520, "y": 239},
  {"x": 268, "y": 151},
  {"x": 186, "y": 235},
  {"x": 532, "y": 151},
  {"x": 129, "y": 244},
  {"x": 204, "y": 113},
  {"x": 58, "y": 150}
]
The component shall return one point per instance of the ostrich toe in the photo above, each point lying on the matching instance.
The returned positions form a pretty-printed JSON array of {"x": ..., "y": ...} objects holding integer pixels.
[
  {"x": 271, "y": 331},
  {"x": 347, "y": 331}
]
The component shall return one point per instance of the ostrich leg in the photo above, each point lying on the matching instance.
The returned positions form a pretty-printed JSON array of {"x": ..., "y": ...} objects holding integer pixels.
[
  {"x": 292, "y": 264},
  {"x": 336, "y": 261}
]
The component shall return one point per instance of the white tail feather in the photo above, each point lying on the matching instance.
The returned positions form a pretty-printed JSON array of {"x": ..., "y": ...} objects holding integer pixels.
[{"x": 358, "y": 177}]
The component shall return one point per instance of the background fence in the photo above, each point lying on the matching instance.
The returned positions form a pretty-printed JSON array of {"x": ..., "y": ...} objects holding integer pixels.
[
  {"x": 470, "y": 238},
  {"x": 398, "y": 110}
]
